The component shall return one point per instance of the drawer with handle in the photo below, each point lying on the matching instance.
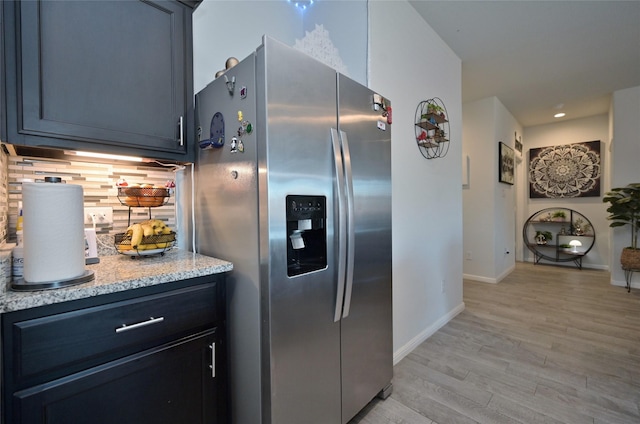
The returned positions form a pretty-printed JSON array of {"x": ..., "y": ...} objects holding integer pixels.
[{"x": 86, "y": 337}]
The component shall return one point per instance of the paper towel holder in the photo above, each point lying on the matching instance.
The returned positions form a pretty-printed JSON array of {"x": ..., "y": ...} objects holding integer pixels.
[
  {"x": 45, "y": 271},
  {"x": 21, "y": 285}
]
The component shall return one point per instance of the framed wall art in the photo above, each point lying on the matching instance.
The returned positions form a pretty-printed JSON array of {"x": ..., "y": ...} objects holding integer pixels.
[
  {"x": 506, "y": 163},
  {"x": 518, "y": 145},
  {"x": 568, "y": 170}
]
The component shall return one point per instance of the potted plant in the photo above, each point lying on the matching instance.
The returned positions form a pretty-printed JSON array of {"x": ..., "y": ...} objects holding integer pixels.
[
  {"x": 580, "y": 228},
  {"x": 542, "y": 237},
  {"x": 559, "y": 216},
  {"x": 434, "y": 109},
  {"x": 624, "y": 209}
]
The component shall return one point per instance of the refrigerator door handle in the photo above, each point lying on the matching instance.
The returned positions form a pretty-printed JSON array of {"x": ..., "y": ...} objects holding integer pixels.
[
  {"x": 342, "y": 223},
  {"x": 348, "y": 178}
]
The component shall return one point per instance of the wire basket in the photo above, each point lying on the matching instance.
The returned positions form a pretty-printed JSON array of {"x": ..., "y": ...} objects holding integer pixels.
[
  {"x": 143, "y": 196},
  {"x": 150, "y": 245}
]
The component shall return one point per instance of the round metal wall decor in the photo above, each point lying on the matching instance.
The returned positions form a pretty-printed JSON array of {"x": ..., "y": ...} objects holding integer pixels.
[{"x": 432, "y": 128}]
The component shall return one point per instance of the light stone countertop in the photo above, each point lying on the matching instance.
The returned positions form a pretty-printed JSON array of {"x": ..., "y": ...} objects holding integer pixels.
[{"x": 119, "y": 273}]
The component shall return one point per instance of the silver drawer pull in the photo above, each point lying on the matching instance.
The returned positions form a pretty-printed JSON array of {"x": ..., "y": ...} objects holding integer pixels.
[
  {"x": 126, "y": 327},
  {"x": 212, "y": 346}
]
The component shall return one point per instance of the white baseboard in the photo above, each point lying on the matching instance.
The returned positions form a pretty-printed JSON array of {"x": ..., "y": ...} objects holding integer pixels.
[
  {"x": 480, "y": 278},
  {"x": 601, "y": 267},
  {"x": 490, "y": 279},
  {"x": 426, "y": 333},
  {"x": 634, "y": 285},
  {"x": 506, "y": 273}
]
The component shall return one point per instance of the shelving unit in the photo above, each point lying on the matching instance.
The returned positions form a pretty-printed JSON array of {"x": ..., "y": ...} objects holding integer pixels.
[
  {"x": 574, "y": 226},
  {"x": 432, "y": 128},
  {"x": 146, "y": 197}
]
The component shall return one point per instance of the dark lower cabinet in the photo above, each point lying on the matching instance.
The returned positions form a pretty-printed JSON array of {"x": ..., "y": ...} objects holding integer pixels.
[
  {"x": 171, "y": 384},
  {"x": 148, "y": 356}
]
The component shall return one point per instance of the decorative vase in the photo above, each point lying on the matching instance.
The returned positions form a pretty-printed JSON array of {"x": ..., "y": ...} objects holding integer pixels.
[{"x": 630, "y": 258}]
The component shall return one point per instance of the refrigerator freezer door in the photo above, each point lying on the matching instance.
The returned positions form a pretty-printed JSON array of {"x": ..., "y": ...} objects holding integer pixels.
[
  {"x": 226, "y": 207},
  {"x": 366, "y": 333}
]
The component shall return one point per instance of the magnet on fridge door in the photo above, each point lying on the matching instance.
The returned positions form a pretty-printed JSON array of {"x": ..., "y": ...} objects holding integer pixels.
[
  {"x": 237, "y": 145},
  {"x": 245, "y": 128},
  {"x": 216, "y": 138}
]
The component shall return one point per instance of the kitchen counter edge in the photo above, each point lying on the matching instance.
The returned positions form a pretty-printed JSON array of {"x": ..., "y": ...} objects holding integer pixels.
[{"x": 119, "y": 273}]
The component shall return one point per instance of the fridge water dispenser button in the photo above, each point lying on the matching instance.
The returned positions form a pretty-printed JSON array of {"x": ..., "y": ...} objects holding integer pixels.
[{"x": 297, "y": 242}]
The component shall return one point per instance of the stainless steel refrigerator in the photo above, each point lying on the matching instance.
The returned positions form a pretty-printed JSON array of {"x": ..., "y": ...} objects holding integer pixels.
[{"x": 293, "y": 185}]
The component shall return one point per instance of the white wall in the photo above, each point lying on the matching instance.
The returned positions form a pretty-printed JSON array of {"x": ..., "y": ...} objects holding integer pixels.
[
  {"x": 479, "y": 226},
  {"x": 626, "y": 157},
  {"x": 232, "y": 28},
  {"x": 568, "y": 132},
  {"x": 505, "y": 195},
  {"x": 409, "y": 63},
  {"x": 489, "y": 206},
  {"x": 347, "y": 25},
  {"x": 427, "y": 200}
]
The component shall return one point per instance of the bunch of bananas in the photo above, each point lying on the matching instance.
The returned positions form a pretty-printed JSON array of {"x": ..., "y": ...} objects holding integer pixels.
[{"x": 151, "y": 227}]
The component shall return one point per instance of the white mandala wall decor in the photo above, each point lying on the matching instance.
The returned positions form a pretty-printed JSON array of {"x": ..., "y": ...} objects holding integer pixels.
[
  {"x": 318, "y": 44},
  {"x": 569, "y": 170}
]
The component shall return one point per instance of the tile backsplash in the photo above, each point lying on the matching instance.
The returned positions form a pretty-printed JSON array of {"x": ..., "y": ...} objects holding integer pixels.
[
  {"x": 4, "y": 197},
  {"x": 98, "y": 181}
]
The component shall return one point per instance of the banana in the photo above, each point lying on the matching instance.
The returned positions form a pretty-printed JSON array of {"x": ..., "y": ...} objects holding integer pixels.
[
  {"x": 148, "y": 230},
  {"x": 136, "y": 235},
  {"x": 148, "y": 246},
  {"x": 159, "y": 227}
]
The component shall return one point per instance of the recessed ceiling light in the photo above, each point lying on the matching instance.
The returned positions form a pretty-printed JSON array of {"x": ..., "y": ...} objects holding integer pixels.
[{"x": 559, "y": 115}]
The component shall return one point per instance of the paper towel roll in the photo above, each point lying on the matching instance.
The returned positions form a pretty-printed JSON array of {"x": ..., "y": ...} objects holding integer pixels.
[{"x": 53, "y": 232}]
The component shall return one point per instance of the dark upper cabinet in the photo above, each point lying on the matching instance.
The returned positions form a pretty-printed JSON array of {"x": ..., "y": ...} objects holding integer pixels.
[{"x": 107, "y": 76}]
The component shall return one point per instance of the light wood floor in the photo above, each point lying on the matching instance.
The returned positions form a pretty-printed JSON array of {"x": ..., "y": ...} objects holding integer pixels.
[{"x": 548, "y": 344}]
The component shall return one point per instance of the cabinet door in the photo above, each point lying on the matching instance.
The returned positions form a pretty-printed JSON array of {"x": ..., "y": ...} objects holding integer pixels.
[
  {"x": 91, "y": 74},
  {"x": 171, "y": 384}
]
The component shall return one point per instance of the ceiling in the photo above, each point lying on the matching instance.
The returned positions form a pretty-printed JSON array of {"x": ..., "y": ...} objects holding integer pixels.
[{"x": 542, "y": 56}]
